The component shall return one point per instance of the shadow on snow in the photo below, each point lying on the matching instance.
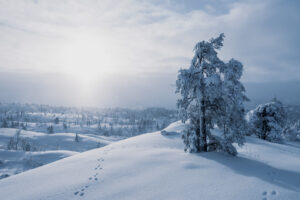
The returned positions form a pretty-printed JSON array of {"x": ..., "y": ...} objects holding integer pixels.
[{"x": 260, "y": 170}]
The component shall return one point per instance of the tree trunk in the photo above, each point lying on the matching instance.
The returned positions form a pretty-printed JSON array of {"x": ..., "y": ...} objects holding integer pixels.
[
  {"x": 264, "y": 125},
  {"x": 203, "y": 131},
  {"x": 198, "y": 129},
  {"x": 203, "y": 126}
]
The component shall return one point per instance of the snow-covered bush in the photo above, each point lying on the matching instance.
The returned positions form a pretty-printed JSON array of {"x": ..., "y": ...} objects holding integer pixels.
[
  {"x": 14, "y": 141},
  {"x": 50, "y": 129},
  {"x": 268, "y": 120},
  {"x": 18, "y": 143},
  {"x": 4, "y": 124},
  {"x": 77, "y": 138},
  {"x": 291, "y": 132},
  {"x": 4, "y": 176}
]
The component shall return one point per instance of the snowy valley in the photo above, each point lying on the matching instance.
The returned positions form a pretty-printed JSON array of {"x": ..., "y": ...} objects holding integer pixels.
[{"x": 27, "y": 142}]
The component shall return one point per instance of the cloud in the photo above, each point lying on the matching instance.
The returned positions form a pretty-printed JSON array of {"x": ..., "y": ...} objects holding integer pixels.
[{"x": 147, "y": 37}]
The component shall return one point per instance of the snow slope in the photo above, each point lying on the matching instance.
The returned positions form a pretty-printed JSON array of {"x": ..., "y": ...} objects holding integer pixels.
[{"x": 154, "y": 166}]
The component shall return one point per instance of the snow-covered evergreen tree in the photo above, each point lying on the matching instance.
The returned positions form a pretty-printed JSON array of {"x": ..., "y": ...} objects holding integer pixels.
[
  {"x": 200, "y": 87},
  {"x": 211, "y": 93},
  {"x": 50, "y": 129},
  {"x": 77, "y": 138},
  {"x": 268, "y": 120}
]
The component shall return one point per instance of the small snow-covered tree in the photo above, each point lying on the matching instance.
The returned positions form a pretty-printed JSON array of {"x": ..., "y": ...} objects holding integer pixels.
[
  {"x": 77, "y": 138},
  {"x": 268, "y": 120},
  {"x": 65, "y": 126},
  {"x": 50, "y": 129},
  {"x": 56, "y": 120},
  {"x": 4, "y": 124}
]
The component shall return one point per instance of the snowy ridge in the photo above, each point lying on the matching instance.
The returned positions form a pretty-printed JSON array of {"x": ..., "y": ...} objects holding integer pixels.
[{"x": 154, "y": 166}]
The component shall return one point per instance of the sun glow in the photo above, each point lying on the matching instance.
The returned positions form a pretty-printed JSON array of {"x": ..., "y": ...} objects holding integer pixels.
[{"x": 86, "y": 57}]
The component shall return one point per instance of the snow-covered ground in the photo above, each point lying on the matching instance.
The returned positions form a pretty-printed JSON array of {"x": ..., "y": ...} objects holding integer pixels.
[
  {"x": 154, "y": 166},
  {"x": 49, "y": 148}
]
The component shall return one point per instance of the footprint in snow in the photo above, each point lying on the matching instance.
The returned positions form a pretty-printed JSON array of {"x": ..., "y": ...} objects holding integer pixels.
[
  {"x": 81, "y": 192},
  {"x": 265, "y": 193},
  {"x": 98, "y": 166},
  {"x": 273, "y": 192}
]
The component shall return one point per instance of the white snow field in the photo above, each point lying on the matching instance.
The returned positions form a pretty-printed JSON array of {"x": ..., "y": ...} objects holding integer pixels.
[
  {"x": 50, "y": 147},
  {"x": 56, "y": 141},
  {"x": 154, "y": 166}
]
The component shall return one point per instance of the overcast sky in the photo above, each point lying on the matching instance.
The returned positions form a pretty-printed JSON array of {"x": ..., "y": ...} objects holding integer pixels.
[{"x": 127, "y": 53}]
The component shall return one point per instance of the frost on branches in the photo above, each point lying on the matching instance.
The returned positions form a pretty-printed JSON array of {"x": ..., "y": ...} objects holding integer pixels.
[
  {"x": 211, "y": 94},
  {"x": 268, "y": 120}
]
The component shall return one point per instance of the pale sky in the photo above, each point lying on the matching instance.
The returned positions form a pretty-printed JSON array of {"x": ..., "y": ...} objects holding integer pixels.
[{"x": 127, "y": 53}]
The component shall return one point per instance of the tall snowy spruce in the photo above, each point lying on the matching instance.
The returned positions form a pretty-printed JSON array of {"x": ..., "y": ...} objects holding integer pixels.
[
  {"x": 267, "y": 121},
  {"x": 211, "y": 94}
]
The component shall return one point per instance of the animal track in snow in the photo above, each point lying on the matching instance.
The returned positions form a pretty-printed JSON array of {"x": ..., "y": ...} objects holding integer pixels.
[
  {"x": 94, "y": 177},
  {"x": 81, "y": 192},
  {"x": 98, "y": 167},
  {"x": 273, "y": 192},
  {"x": 265, "y": 194}
]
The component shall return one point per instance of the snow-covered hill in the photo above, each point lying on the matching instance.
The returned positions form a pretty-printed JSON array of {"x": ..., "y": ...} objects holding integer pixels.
[{"x": 154, "y": 166}]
